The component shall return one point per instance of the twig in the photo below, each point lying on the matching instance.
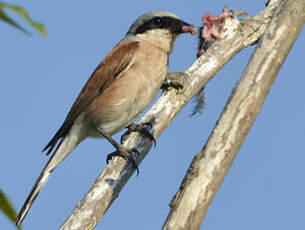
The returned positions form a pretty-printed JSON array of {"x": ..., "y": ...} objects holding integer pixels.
[
  {"x": 108, "y": 185},
  {"x": 211, "y": 164}
]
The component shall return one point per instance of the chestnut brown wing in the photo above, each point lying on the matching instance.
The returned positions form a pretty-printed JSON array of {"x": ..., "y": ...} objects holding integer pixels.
[{"x": 116, "y": 62}]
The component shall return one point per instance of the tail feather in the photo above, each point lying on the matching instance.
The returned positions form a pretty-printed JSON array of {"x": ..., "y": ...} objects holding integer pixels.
[
  {"x": 66, "y": 145},
  {"x": 43, "y": 177},
  {"x": 58, "y": 135}
]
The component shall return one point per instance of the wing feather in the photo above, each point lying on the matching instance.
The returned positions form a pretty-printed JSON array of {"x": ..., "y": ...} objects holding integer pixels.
[{"x": 115, "y": 63}]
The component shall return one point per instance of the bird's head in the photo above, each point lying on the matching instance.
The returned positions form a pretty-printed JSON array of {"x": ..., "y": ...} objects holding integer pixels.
[{"x": 160, "y": 28}]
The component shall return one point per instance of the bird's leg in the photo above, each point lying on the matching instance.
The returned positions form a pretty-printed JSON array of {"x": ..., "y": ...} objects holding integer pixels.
[
  {"x": 141, "y": 128},
  {"x": 121, "y": 152}
]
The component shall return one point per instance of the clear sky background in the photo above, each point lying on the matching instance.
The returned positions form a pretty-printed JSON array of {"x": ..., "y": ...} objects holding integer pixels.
[{"x": 40, "y": 79}]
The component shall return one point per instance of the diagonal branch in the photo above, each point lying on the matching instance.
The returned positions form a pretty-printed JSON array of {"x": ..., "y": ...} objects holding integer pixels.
[
  {"x": 209, "y": 167},
  {"x": 108, "y": 185}
]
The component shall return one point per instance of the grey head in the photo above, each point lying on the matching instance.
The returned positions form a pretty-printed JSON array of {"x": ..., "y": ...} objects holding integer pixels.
[
  {"x": 160, "y": 28},
  {"x": 157, "y": 20}
]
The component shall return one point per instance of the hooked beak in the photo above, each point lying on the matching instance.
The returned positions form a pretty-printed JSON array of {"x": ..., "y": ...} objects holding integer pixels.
[{"x": 187, "y": 28}]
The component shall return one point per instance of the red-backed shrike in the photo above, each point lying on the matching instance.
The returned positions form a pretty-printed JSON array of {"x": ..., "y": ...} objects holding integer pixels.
[{"x": 119, "y": 89}]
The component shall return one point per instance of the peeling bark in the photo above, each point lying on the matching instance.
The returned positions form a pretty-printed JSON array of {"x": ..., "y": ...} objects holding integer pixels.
[
  {"x": 211, "y": 164},
  {"x": 238, "y": 35}
]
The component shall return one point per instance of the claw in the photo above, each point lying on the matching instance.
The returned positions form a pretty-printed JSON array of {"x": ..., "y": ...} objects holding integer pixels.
[
  {"x": 141, "y": 129},
  {"x": 126, "y": 155},
  {"x": 121, "y": 152}
]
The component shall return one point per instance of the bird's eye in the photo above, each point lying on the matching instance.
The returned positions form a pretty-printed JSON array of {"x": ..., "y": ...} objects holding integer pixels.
[{"x": 157, "y": 20}]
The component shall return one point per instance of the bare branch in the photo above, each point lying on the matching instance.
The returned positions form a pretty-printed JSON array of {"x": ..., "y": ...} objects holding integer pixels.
[
  {"x": 108, "y": 185},
  {"x": 209, "y": 167}
]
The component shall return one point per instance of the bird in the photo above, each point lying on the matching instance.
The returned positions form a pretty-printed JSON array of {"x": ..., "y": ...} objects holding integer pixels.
[{"x": 117, "y": 92}]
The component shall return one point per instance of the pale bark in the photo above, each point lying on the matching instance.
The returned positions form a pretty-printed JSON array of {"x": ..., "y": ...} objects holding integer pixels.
[
  {"x": 211, "y": 164},
  {"x": 108, "y": 185}
]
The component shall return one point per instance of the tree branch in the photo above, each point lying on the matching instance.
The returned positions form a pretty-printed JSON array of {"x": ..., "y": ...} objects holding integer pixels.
[
  {"x": 108, "y": 185},
  {"x": 209, "y": 167}
]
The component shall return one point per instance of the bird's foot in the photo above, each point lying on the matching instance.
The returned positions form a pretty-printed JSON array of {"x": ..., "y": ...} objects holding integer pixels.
[
  {"x": 125, "y": 154},
  {"x": 121, "y": 152},
  {"x": 141, "y": 128}
]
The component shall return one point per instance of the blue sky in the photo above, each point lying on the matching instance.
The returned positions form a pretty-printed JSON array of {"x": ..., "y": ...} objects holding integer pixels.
[{"x": 40, "y": 79}]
